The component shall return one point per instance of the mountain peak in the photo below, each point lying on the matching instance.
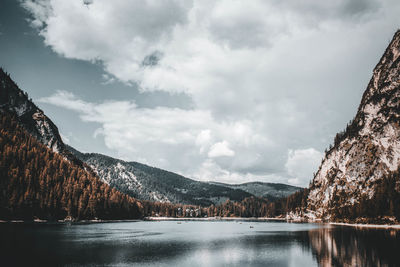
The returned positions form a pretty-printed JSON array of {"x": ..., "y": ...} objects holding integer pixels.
[
  {"x": 14, "y": 100},
  {"x": 380, "y": 100}
]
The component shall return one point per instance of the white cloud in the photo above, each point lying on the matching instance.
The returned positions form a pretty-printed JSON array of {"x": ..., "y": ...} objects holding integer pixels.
[
  {"x": 107, "y": 79},
  {"x": 203, "y": 140},
  {"x": 191, "y": 36},
  {"x": 40, "y": 10},
  {"x": 264, "y": 76},
  {"x": 301, "y": 165},
  {"x": 70, "y": 101},
  {"x": 170, "y": 138},
  {"x": 221, "y": 149}
]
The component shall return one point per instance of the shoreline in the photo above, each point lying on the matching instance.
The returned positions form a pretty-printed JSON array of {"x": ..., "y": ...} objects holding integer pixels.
[
  {"x": 149, "y": 219},
  {"x": 212, "y": 219},
  {"x": 358, "y": 225},
  {"x": 68, "y": 222},
  {"x": 208, "y": 219}
]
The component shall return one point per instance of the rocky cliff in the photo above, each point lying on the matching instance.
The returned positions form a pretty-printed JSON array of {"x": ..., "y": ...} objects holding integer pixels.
[{"x": 368, "y": 150}]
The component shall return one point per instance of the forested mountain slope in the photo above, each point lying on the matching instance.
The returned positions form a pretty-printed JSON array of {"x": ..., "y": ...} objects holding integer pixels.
[
  {"x": 149, "y": 183},
  {"x": 32, "y": 118},
  {"x": 37, "y": 182},
  {"x": 28, "y": 114}
]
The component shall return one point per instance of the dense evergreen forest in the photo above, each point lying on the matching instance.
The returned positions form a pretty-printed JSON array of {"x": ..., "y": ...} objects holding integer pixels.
[
  {"x": 381, "y": 208},
  {"x": 36, "y": 182},
  {"x": 249, "y": 207}
]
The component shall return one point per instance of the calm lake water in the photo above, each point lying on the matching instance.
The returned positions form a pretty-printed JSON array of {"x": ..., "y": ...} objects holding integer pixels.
[{"x": 217, "y": 243}]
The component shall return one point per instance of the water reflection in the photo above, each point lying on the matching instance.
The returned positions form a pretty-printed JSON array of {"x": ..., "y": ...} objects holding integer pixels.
[
  {"x": 196, "y": 244},
  {"x": 346, "y": 246}
]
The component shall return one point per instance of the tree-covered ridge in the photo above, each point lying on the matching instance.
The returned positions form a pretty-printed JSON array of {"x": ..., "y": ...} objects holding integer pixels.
[
  {"x": 153, "y": 184},
  {"x": 36, "y": 182},
  {"x": 270, "y": 191},
  {"x": 257, "y": 207},
  {"x": 32, "y": 118}
]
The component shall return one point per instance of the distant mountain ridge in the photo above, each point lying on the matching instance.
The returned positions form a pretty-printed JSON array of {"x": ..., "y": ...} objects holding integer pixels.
[
  {"x": 149, "y": 183},
  {"x": 271, "y": 191}
]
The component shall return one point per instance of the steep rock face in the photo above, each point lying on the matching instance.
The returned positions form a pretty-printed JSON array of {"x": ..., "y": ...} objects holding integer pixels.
[
  {"x": 369, "y": 149},
  {"x": 29, "y": 115}
]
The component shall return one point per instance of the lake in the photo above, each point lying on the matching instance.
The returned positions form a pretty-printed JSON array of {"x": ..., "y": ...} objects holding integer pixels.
[{"x": 197, "y": 243}]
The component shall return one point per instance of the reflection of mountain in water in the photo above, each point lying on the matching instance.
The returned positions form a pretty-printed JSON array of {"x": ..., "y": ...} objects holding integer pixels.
[{"x": 346, "y": 246}]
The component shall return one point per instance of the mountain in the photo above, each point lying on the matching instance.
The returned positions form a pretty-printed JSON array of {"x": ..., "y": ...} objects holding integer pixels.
[
  {"x": 37, "y": 182},
  {"x": 149, "y": 183},
  {"x": 39, "y": 176},
  {"x": 269, "y": 191},
  {"x": 359, "y": 175},
  {"x": 31, "y": 117}
]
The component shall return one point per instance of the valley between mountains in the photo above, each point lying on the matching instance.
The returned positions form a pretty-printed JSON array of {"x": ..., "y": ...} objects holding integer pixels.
[{"x": 357, "y": 181}]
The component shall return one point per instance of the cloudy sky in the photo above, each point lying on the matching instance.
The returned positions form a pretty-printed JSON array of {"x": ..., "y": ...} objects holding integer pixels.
[{"x": 229, "y": 91}]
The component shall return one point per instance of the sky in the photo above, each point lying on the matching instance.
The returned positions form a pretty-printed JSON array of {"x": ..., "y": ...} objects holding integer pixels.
[{"x": 228, "y": 91}]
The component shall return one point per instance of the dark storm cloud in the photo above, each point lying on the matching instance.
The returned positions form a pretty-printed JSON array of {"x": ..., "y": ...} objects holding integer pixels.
[{"x": 152, "y": 59}]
